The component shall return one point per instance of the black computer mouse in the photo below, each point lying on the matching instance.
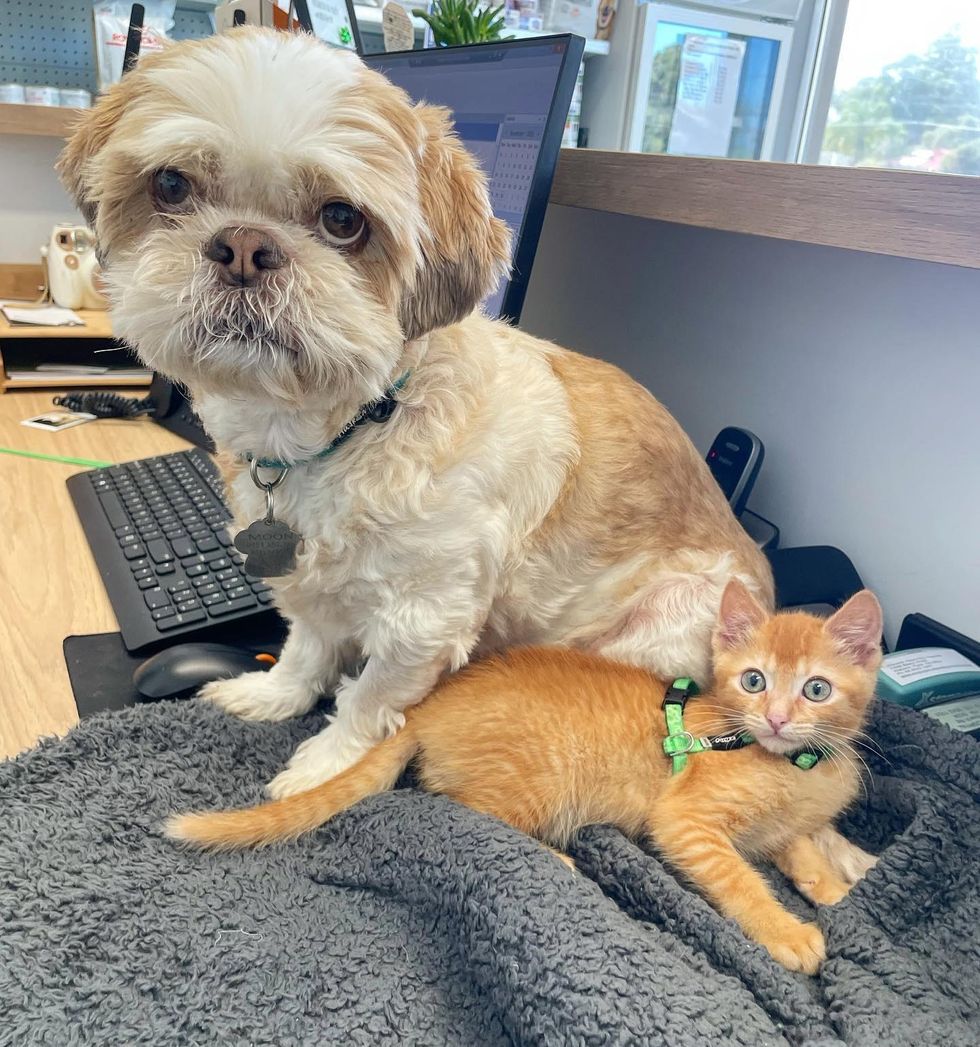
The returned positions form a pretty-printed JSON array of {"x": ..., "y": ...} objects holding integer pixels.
[{"x": 181, "y": 670}]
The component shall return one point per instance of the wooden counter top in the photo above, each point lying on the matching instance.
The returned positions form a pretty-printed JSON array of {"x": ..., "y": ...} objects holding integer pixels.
[{"x": 910, "y": 214}]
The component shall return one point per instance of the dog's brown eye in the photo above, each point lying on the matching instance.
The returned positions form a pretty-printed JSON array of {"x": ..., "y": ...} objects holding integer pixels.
[
  {"x": 342, "y": 223},
  {"x": 170, "y": 187}
]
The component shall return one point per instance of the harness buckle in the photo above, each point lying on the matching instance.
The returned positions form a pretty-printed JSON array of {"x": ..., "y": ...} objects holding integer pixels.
[
  {"x": 679, "y": 692},
  {"x": 678, "y": 744}
]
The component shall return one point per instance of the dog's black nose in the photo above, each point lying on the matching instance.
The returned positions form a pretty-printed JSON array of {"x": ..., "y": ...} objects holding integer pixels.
[{"x": 244, "y": 255}]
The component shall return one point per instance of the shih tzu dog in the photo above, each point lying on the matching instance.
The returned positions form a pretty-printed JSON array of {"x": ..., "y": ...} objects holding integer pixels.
[{"x": 287, "y": 235}]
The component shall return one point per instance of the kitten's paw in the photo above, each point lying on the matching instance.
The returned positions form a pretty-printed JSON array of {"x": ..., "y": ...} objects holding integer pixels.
[
  {"x": 798, "y": 947},
  {"x": 850, "y": 862},
  {"x": 855, "y": 864},
  {"x": 258, "y": 696},
  {"x": 823, "y": 890},
  {"x": 562, "y": 857},
  {"x": 321, "y": 757}
]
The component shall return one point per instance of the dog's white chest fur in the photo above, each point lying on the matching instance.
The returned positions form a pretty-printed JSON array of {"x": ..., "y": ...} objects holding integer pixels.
[{"x": 427, "y": 512}]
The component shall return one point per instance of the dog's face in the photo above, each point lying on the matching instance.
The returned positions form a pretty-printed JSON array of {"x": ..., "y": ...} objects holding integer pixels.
[{"x": 275, "y": 218}]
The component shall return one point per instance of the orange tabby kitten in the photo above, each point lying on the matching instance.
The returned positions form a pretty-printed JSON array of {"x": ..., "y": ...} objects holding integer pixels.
[{"x": 550, "y": 739}]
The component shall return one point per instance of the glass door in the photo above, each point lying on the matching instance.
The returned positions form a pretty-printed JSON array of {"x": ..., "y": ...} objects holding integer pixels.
[{"x": 707, "y": 84}]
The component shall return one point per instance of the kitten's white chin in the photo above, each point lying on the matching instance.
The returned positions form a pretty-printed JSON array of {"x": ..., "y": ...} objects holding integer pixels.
[{"x": 778, "y": 744}]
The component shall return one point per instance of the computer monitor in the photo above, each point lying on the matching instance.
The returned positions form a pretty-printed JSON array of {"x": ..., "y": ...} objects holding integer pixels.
[{"x": 509, "y": 101}]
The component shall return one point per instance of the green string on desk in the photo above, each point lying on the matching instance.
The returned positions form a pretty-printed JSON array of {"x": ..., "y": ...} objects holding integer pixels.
[{"x": 89, "y": 462}]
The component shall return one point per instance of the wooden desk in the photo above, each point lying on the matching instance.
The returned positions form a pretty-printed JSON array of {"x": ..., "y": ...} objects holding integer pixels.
[{"x": 49, "y": 583}]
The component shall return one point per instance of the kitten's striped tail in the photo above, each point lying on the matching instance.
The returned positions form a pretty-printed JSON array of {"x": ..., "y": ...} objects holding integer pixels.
[{"x": 376, "y": 772}]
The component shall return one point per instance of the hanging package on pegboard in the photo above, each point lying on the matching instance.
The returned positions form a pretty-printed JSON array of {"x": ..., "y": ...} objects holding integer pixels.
[{"x": 112, "y": 27}]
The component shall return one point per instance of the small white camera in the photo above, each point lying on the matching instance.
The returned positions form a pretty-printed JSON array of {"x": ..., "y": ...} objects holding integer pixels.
[{"x": 72, "y": 269}]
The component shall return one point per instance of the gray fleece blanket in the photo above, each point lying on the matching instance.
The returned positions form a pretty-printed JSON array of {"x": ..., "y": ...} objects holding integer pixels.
[{"x": 411, "y": 920}]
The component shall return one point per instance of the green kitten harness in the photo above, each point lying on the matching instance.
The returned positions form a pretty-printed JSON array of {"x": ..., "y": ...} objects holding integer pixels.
[{"x": 679, "y": 743}]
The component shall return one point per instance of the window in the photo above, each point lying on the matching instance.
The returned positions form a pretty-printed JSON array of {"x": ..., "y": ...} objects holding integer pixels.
[{"x": 907, "y": 87}]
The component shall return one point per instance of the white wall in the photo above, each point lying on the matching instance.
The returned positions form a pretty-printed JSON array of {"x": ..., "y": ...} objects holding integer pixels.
[
  {"x": 31, "y": 197},
  {"x": 860, "y": 373}
]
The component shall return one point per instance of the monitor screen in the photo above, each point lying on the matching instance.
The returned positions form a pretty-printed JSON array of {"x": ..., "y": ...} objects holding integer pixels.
[{"x": 509, "y": 102}]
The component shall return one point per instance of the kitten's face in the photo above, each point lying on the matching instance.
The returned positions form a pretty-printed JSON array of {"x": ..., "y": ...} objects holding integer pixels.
[{"x": 793, "y": 679}]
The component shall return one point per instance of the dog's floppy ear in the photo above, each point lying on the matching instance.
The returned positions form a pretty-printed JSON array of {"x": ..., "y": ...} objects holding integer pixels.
[
  {"x": 91, "y": 134},
  {"x": 465, "y": 250}
]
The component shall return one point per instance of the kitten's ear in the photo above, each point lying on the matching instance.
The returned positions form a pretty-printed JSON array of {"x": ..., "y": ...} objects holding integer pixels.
[
  {"x": 739, "y": 617},
  {"x": 856, "y": 628}
]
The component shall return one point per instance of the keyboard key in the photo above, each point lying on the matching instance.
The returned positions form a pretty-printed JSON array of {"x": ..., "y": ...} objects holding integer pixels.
[
  {"x": 205, "y": 586},
  {"x": 134, "y": 552},
  {"x": 113, "y": 508},
  {"x": 226, "y": 574},
  {"x": 217, "y": 562},
  {"x": 138, "y": 565},
  {"x": 156, "y": 598},
  {"x": 160, "y": 551},
  {"x": 150, "y": 534},
  {"x": 187, "y": 605},
  {"x": 188, "y": 618},
  {"x": 207, "y": 545},
  {"x": 238, "y": 592},
  {"x": 166, "y": 568},
  {"x": 230, "y": 583},
  {"x": 146, "y": 583},
  {"x": 177, "y": 587},
  {"x": 183, "y": 547},
  {"x": 231, "y": 606},
  {"x": 188, "y": 561},
  {"x": 266, "y": 597},
  {"x": 125, "y": 529},
  {"x": 162, "y": 612},
  {"x": 236, "y": 557},
  {"x": 223, "y": 536},
  {"x": 212, "y": 598},
  {"x": 196, "y": 569},
  {"x": 128, "y": 539},
  {"x": 258, "y": 586},
  {"x": 143, "y": 572}
]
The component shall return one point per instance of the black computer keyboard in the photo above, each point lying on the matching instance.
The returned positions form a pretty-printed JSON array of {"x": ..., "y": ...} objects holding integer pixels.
[{"x": 157, "y": 528}]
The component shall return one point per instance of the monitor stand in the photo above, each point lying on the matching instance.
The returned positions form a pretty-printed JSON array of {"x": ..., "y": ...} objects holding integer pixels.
[{"x": 173, "y": 411}]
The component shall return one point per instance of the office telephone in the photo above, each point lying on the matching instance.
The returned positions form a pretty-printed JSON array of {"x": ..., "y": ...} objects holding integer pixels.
[{"x": 935, "y": 670}]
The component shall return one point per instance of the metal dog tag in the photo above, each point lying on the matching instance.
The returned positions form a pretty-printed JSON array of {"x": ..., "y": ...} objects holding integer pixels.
[{"x": 269, "y": 545}]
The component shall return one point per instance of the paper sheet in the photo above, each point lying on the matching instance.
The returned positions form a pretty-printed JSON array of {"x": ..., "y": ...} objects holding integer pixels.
[
  {"x": 43, "y": 316},
  {"x": 707, "y": 92}
]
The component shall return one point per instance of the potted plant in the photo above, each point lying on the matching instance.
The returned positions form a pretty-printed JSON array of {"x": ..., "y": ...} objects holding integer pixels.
[{"x": 462, "y": 22}]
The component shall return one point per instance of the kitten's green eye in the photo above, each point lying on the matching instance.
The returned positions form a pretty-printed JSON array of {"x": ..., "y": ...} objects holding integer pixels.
[
  {"x": 817, "y": 689},
  {"x": 753, "y": 681}
]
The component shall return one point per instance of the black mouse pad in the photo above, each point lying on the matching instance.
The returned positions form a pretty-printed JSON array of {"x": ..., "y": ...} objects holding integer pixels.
[
  {"x": 100, "y": 668},
  {"x": 101, "y": 672}
]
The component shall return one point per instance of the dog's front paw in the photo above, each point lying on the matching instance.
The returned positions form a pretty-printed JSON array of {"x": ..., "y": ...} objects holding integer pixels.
[
  {"x": 258, "y": 696},
  {"x": 797, "y": 946},
  {"x": 321, "y": 757}
]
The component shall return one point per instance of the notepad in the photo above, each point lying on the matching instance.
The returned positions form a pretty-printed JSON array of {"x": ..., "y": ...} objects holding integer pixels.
[{"x": 43, "y": 316}]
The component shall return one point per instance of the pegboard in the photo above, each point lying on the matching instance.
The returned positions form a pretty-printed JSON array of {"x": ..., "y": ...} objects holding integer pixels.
[{"x": 51, "y": 41}]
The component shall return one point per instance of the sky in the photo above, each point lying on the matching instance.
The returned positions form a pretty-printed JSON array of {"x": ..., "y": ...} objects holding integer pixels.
[{"x": 881, "y": 31}]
